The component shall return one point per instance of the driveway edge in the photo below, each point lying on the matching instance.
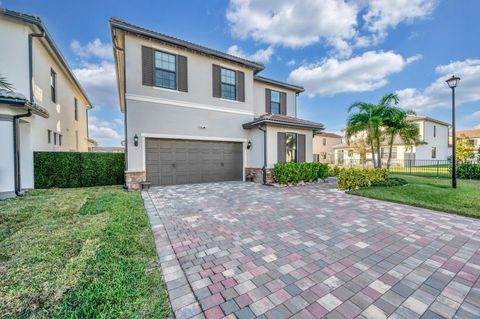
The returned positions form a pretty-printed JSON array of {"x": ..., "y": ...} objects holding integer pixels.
[{"x": 181, "y": 297}]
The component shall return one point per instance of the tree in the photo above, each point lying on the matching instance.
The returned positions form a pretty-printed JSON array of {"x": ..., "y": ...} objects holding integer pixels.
[
  {"x": 397, "y": 125},
  {"x": 4, "y": 84},
  {"x": 370, "y": 119},
  {"x": 465, "y": 148}
]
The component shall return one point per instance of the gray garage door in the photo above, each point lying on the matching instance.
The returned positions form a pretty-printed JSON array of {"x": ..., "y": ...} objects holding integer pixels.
[{"x": 171, "y": 162}]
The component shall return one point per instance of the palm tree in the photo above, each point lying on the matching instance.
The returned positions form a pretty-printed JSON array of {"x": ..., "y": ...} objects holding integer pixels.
[
  {"x": 4, "y": 84},
  {"x": 368, "y": 120},
  {"x": 397, "y": 124}
]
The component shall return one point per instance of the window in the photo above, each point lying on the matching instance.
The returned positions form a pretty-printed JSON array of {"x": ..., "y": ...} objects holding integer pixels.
[
  {"x": 275, "y": 101},
  {"x": 350, "y": 153},
  {"x": 59, "y": 139},
  {"x": 384, "y": 152},
  {"x": 340, "y": 157},
  {"x": 228, "y": 84},
  {"x": 55, "y": 138},
  {"x": 316, "y": 157},
  {"x": 291, "y": 147},
  {"x": 76, "y": 140},
  {"x": 434, "y": 152},
  {"x": 434, "y": 131},
  {"x": 165, "y": 70},
  {"x": 323, "y": 155},
  {"x": 49, "y": 136},
  {"x": 76, "y": 108},
  {"x": 324, "y": 141},
  {"x": 53, "y": 85}
]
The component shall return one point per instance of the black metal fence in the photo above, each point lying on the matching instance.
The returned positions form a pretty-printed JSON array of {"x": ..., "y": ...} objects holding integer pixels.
[{"x": 415, "y": 167}]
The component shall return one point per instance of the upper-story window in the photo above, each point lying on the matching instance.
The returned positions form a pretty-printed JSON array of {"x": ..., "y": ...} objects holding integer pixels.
[
  {"x": 53, "y": 85},
  {"x": 434, "y": 131},
  {"x": 275, "y": 101},
  {"x": 228, "y": 84},
  {"x": 75, "y": 102},
  {"x": 324, "y": 141},
  {"x": 165, "y": 70}
]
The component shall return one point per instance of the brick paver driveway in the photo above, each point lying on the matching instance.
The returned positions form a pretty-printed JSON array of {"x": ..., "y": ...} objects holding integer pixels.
[{"x": 246, "y": 250}]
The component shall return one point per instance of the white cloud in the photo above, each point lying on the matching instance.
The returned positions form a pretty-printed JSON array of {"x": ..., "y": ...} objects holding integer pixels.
[
  {"x": 382, "y": 15},
  {"x": 262, "y": 55},
  {"x": 106, "y": 133},
  {"x": 95, "y": 48},
  {"x": 100, "y": 83},
  {"x": 291, "y": 62},
  {"x": 335, "y": 23},
  {"x": 437, "y": 94},
  {"x": 366, "y": 72}
]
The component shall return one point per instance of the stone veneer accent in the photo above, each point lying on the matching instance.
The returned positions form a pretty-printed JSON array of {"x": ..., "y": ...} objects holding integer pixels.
[
  {"x": 133, "y": 179},
  {"x": 257, "y": 175}
]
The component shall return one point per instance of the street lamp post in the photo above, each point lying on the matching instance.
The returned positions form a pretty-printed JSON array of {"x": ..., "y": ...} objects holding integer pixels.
[{"x": 452, "y": 83}]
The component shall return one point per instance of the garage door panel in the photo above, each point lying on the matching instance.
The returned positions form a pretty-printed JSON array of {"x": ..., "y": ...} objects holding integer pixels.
[{"x": 170, "y": 162}]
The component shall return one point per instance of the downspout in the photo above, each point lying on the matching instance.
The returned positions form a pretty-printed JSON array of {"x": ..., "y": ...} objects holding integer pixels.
[
  {"x": 16, "y": 146},
  {"x": 115, "y": 47},
  {"x": 264, "y": 168}
]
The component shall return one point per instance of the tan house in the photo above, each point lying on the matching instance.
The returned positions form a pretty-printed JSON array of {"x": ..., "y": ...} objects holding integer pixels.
[{"x": 323, "y": 143}]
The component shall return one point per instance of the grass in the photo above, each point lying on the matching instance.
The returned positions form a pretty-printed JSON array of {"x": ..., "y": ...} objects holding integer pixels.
[
  {"x": 427, "y": 171},
  {"x": 431, "y": 193},
  {"x": 78, "y": 253}
]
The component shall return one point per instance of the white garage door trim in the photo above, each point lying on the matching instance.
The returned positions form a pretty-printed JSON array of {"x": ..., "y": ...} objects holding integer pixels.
[{"x": 197, "y": 138}]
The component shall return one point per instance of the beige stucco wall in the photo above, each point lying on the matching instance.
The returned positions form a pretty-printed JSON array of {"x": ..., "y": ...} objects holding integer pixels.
[
  {"x": 318, "y": 146},
  {"x": 272, "y": 154}
]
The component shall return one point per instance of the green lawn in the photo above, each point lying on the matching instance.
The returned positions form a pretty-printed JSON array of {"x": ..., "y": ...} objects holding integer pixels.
[
  {"x": 79, "y": 253},
  {"x": 427, "y": 170},
  {"x": 431, "y": 193}
]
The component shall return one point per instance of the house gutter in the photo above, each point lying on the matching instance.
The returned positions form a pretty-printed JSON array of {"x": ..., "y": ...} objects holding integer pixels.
[
  {"x": 16, "y": 140},
  {"x": 264, "y": 168}
]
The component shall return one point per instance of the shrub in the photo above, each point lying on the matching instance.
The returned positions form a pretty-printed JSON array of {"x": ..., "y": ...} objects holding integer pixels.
[
  {"x": 391, "y": 181},
  {"x": 468, "y": 170},
  {"x": 353, "y": 178},
  {"x": 75, "y": 169},
  {"x": 285, "y": 173}
]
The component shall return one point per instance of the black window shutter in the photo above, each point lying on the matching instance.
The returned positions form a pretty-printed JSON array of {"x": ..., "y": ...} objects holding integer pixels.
[
  {"x": 240, "y": 76},
  {"x": 268, "y": 101},
  {"x": 301, "y": 148},
  {"x": 182, "y": 73},
  {"x": 281, "y": 147},
  {"x": 283, "y": 103},
  {"x": 216, "y": 80},
  {"x": 147, "y": 66}
]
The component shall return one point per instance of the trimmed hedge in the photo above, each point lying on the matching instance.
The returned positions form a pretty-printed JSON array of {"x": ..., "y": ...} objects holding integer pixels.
[
  {"x": 353, "y": 178},
  {"x": 468, "y": 170},
  {"x": 285, "y": 173},
  {"x": 75, "y": 169}
]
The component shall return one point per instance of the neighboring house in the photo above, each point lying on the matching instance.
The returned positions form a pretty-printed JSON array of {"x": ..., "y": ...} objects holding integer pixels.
[
  {"x": 47, "y": 109},
  {"x": 108, "y": 149},
  {"x": 91, "y": 144},
  {"x": 433, "y": 145},
  {"x": 323, "y": 143},
  {"x": 194, "y": 114},
  {"x": 472, "y": 135}
]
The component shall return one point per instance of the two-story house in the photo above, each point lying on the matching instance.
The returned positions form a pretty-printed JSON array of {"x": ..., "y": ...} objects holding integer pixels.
[
  {"x": 194, "y": 114},
  {"x": 45, "y": 109},
  {"x": 323, "y": 143},
  {"x": 432, "y": 145}
]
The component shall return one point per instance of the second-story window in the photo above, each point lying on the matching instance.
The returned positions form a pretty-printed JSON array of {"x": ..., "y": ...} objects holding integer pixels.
[
  {"x": 75, "y": 105},
  {"x": 324, "y": 141},
  {"x": 53, "y": 85},
  {"x": 275, "y": 101},
  {"x": 165, "y": 70},
  {"x": 434, "y": 131},
  {"x": 228, "y": 84}
]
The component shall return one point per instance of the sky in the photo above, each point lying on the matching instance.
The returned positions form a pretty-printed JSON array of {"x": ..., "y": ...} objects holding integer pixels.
[{"x": 340, "y": 51}]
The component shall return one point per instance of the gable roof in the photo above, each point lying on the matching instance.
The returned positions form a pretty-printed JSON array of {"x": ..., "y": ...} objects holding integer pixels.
[
  {"x": 134, "y": 29},
  {"x": 36, "y": 21},
  {"x": 467, "y": 133},
  {"x": 426, "y": 118},
  {"x": 327, "y": 134}
]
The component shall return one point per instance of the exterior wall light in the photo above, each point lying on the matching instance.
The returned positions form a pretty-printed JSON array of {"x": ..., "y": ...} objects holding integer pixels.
[
  {"x": 135, "y": 140},
  {"x": 249, "y": 145}
]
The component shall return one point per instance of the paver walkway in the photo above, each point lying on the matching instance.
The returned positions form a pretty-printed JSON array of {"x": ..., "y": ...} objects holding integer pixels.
[{"x": 245, "y": 250}]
